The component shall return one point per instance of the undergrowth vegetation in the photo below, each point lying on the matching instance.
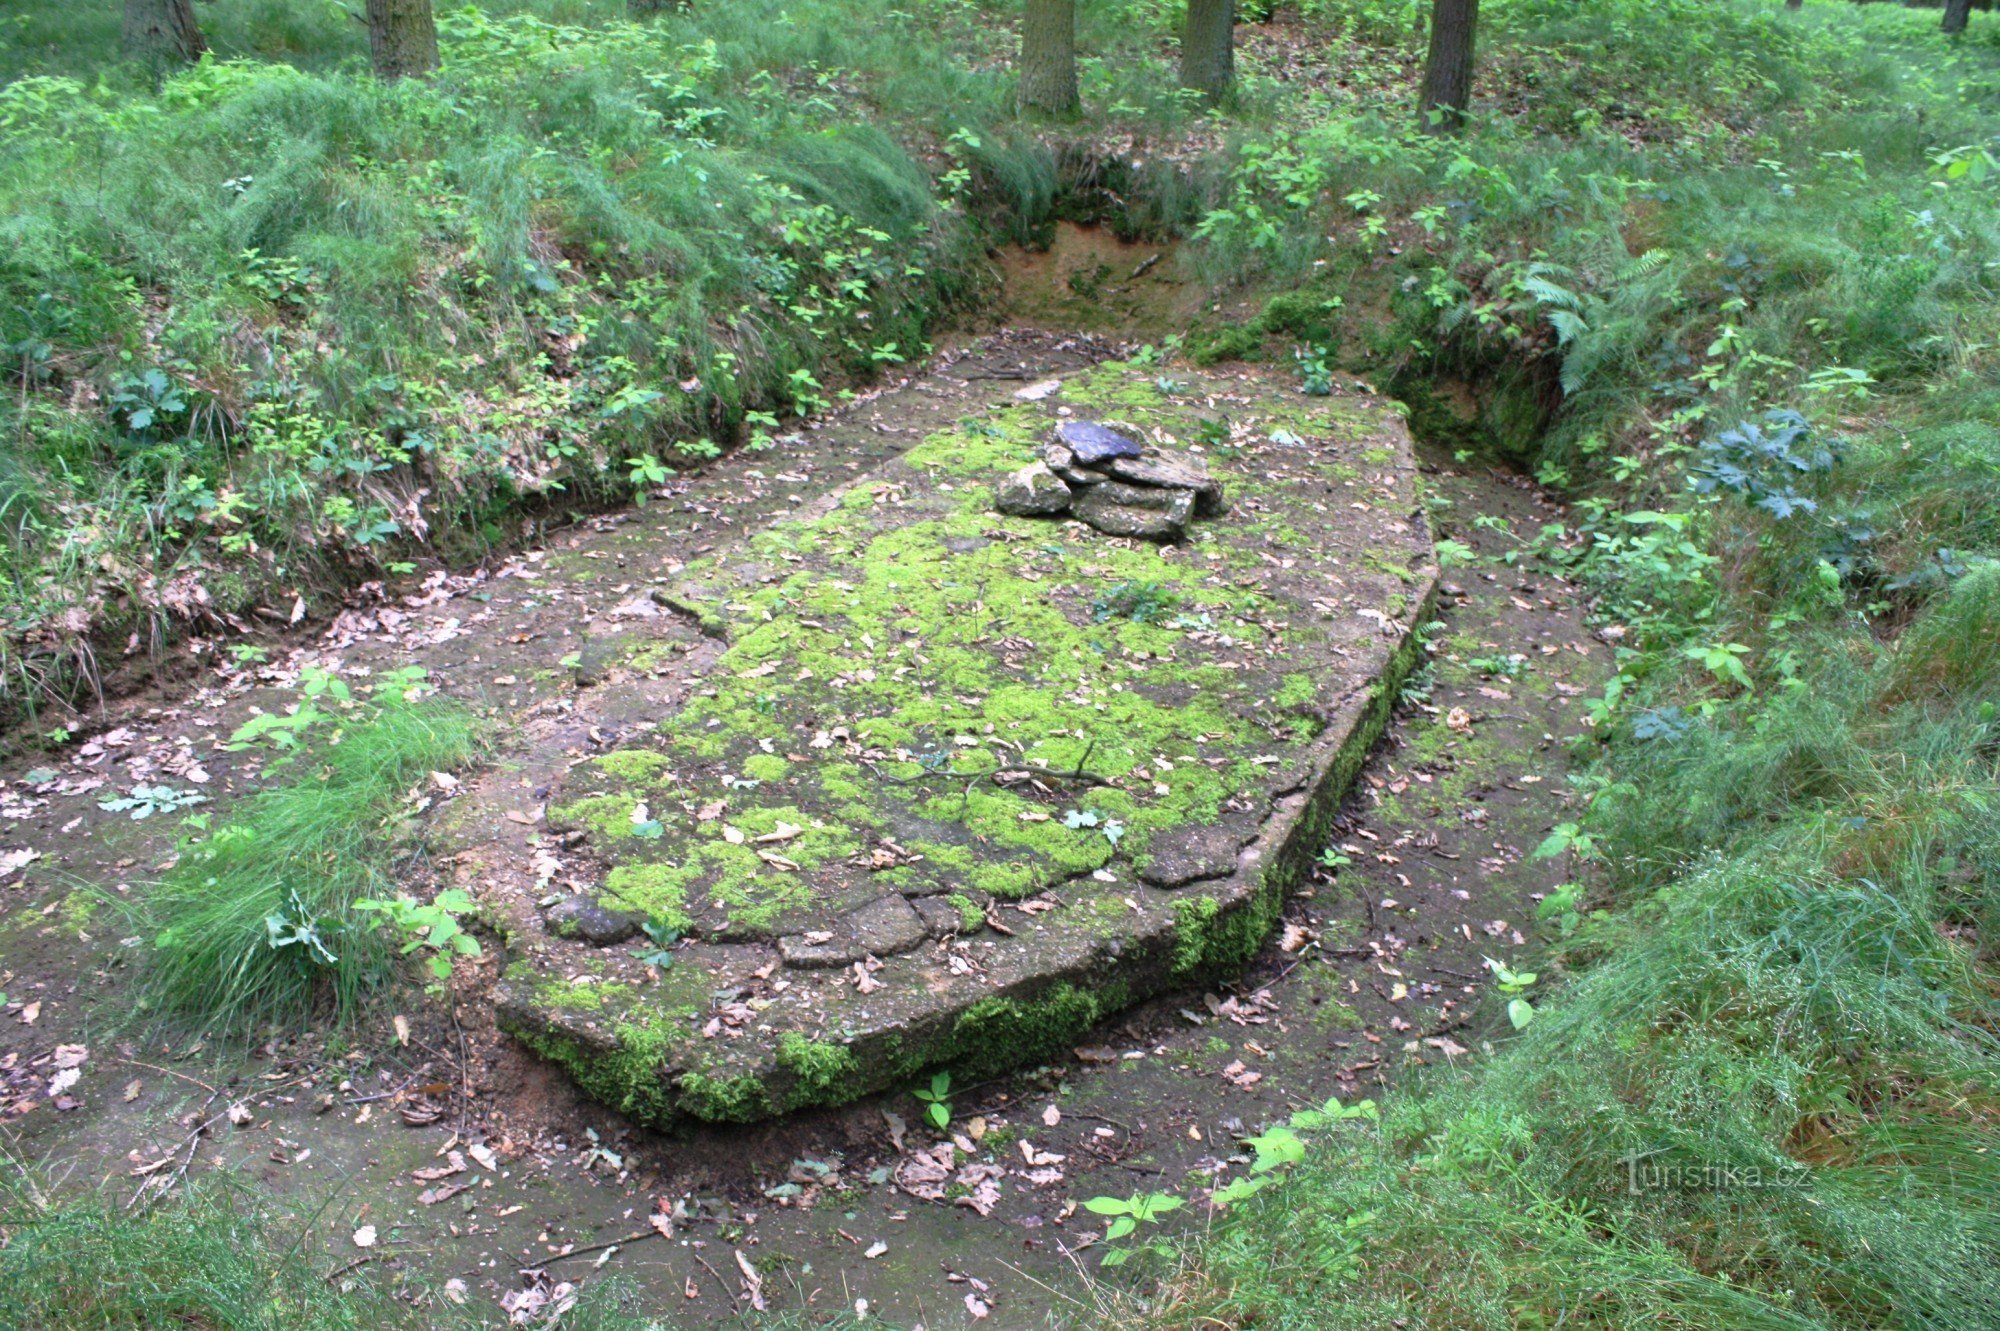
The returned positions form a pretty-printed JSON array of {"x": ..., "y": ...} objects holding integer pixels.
[
  {"x": 219, "y": 1260},
  {"x": 272, "y": 327},
  {"x": 270, "y": 917},
  {"x": 1723, "y": 273},
  {"x": 1748, "y": 322}
]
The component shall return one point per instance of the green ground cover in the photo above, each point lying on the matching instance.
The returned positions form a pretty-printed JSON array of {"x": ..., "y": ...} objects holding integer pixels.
[{"x": 1670, "y": 221}]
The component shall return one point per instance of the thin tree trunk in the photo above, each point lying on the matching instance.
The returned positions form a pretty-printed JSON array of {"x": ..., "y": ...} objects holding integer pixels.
[
  {"x": 1956, "y": 12},
  {"x": 1208, "y": 48},
  {"x": 1048, "y": 57},
  {"x": 402, "y": 37},
  {"x": 1448, "y": 68},
  {"x": 162, "y": 31}
]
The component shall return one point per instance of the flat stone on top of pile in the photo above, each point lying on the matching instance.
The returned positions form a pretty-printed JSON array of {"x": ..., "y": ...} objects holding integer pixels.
[{"x": 908, "y": 782}]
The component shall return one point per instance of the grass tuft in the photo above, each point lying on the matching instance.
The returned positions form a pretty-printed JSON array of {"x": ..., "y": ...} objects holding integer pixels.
[{"x": 255, "y": 925}]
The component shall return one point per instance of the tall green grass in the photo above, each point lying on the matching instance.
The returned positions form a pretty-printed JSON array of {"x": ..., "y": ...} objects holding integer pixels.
[
  {"x": 255, "y": 926},
  {"x": 276, "y": 321},
  {"x": 1804, "y": 1001}
]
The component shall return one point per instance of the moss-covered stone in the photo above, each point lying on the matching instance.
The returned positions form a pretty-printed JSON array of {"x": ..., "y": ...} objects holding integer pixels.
[{"x": 909, "y": 694}]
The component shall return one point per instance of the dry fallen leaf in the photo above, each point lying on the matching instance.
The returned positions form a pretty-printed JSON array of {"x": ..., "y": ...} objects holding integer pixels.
[
  {"x": 402, "y": 1025},
  {"x": 1037, "y": 1157},
  {"x": 454, "y": 1164},
  {"x": 753, "y": 1284}
]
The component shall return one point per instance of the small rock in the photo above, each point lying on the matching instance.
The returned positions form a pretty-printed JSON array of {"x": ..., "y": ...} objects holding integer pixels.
[
  {"x": 1178, "y": 473},
  {"x": 881, "y": 928},
  {"x": 1093, "y": 443},
  {"x": 1164, "y": 516},
  {"x": 1033, "y": 491},
  {"x": 581, "y": 917}
]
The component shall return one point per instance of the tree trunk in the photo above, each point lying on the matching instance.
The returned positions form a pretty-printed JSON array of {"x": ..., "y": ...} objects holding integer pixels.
[
  {"x": 162, "y": 31},
  {"x": 1208, "y": 48},
  {"x": 1955, "y": 14},
  {"x": 1795, "y": 4},
  {"x": 402, "y": 37},
  {"x": 1048, "y": 57},
  {"x": 1448, "y": 68}
]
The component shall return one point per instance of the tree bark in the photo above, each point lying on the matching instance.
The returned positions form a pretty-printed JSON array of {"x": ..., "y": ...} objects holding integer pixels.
[
  {"x": 1208, "y": 48},
  {"x": 162, "y": 31},
  {"x": 1048, "y": 57},
  {"x": 1448, "y": 67},
  {"x": 1956, "y": 12},
  {"x": 402, "y": 38}
]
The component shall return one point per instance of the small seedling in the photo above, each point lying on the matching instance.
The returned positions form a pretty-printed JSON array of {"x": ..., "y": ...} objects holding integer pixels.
[
  {"x": 1127, "y": 1214},
  {"x": 936, "y": 1100},
  {"x": 1077, "y": 820},
  {"x": 1514, "y": 983},
  {"x": 433, "y": 927},
  {"x": 1140, "y": 602},
  {"x": 663, "y": 936}
]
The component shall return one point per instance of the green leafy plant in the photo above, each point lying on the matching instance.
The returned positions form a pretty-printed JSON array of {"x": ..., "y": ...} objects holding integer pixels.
[
  {"x": 1077, "y": 820},
  {"x": 662, "y": 937},
  {"x": 1315, "y": 376},
  {"x": 1563, "y": 904},
  {"x": 1566, "y": 839},
  {"x": 936, "y": 1100},
  {"x": 145, "y": 801},
  {"x": 430, "y": 927},
  {"x": 257, "y": 922},
  {"x": 1140, "y": 602},
  {"x": 1513, "y": 984},
  {"x": 1127, "y": 1214}
]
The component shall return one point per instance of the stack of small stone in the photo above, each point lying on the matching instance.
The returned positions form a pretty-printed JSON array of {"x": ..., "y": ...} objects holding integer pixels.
[{"x": 1101, "y": 477}]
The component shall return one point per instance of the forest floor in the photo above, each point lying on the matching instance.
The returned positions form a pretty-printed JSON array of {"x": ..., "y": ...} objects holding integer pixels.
[{"x": 431, "y": 1143}]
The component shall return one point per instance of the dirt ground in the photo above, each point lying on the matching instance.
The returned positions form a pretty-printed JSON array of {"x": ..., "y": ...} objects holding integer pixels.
[{"x": 478, "y": 1171}]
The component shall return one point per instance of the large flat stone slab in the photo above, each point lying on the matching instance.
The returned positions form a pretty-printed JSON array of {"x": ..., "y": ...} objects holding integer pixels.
[{"x": 913, "y": 782}]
